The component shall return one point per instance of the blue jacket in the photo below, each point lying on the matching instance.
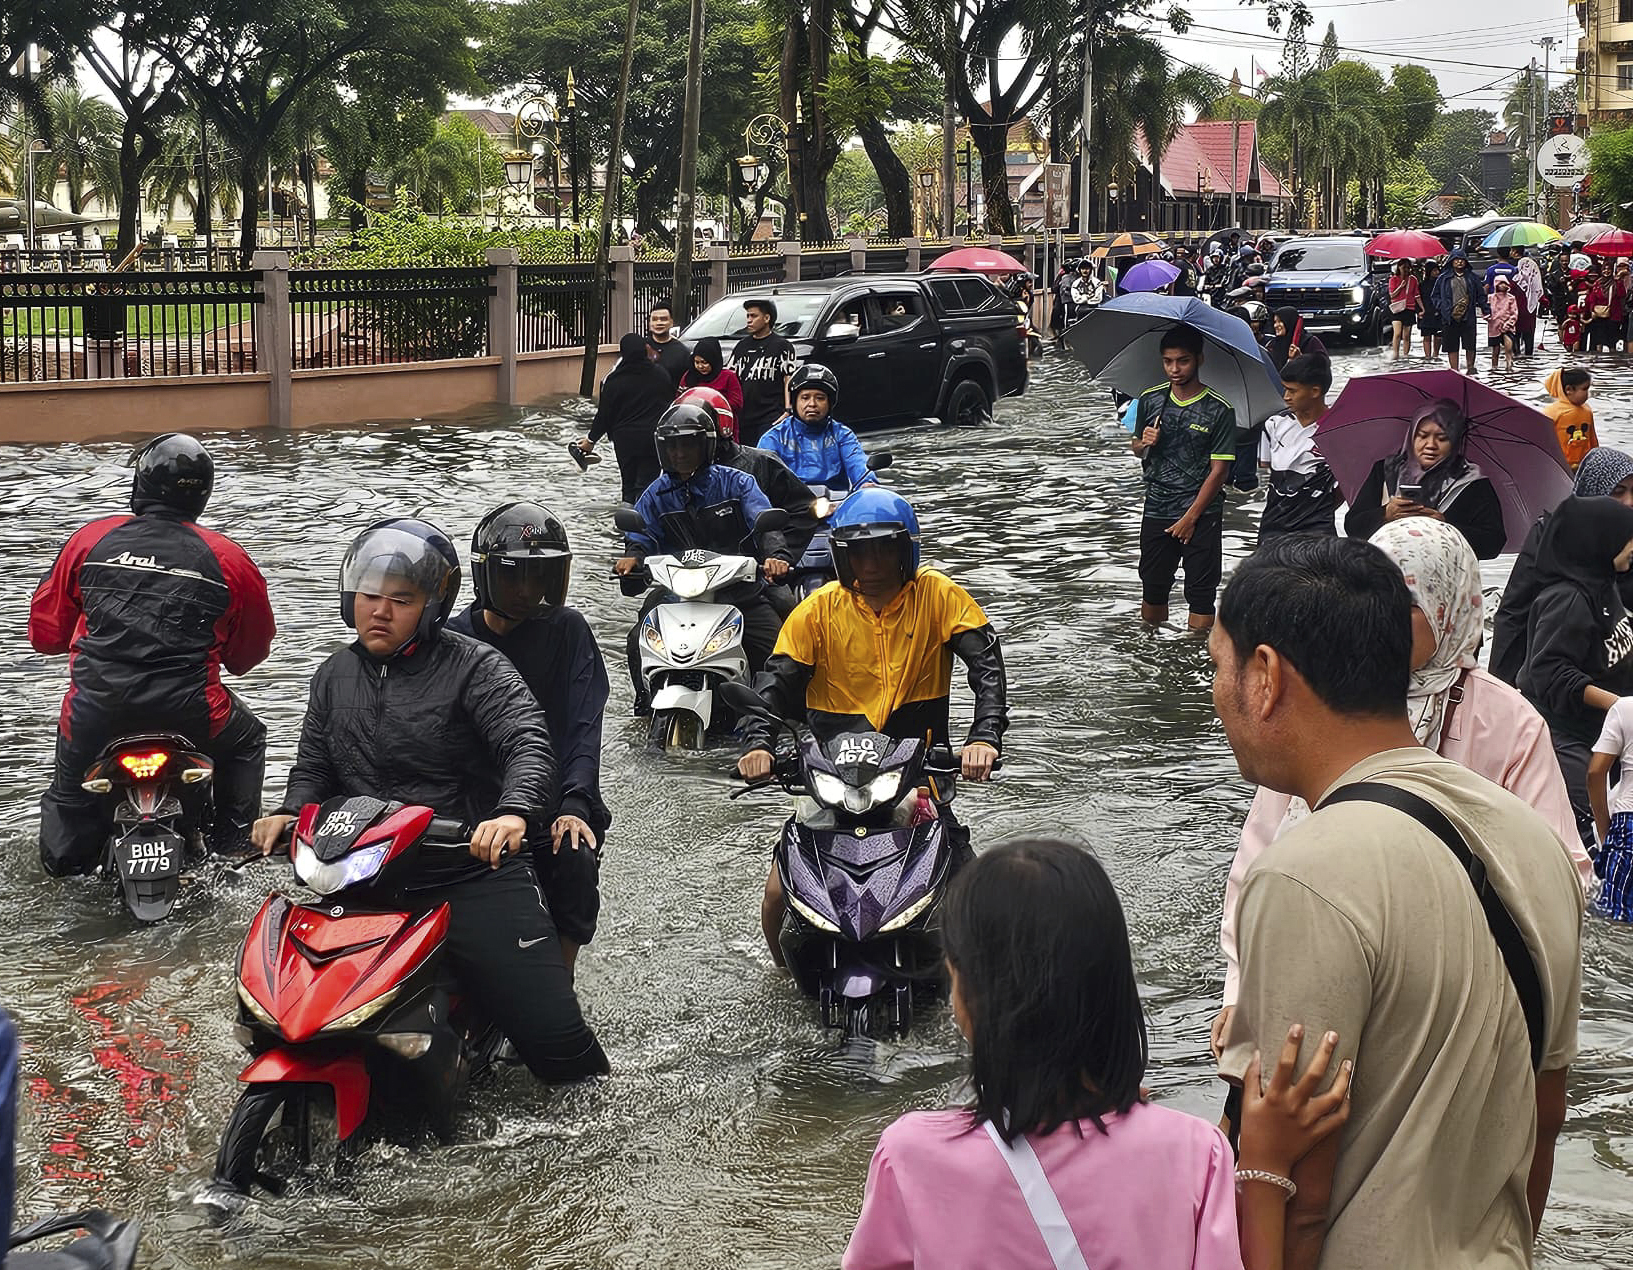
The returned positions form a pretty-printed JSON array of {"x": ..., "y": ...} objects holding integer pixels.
[
  {"x": 830, "y": 456},
  {"x": 714, "y": 510},
  {"x": 1441, "y": 296}
]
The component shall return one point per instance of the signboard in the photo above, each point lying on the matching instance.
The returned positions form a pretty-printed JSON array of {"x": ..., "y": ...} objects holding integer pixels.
[
  {"x": 1560, "y": 124},
  {"x": 1562, "y": 161},
  {"x": 1056, "y": 213}
]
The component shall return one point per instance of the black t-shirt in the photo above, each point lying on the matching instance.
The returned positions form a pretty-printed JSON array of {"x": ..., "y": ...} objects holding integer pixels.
[
  {"x": 1191, "y": 436},
  {"x": 673, "y": 356},
  {"x": 761, "y": 366}
]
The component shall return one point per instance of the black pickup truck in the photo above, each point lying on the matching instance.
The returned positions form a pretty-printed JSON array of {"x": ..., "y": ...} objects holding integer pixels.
[{"x": 904, "y": 346}]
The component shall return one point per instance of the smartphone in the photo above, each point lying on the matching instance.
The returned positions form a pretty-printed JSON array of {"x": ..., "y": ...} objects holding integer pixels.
[{"x": 1413, "y": 492}]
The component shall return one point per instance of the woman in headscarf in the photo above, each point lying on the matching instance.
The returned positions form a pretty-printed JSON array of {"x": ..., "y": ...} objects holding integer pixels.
[
  {"x": 1455, "y": 708},
  {"x": 1290, "y": 339},
  {"x": 1579, "y": 644},
  {"x": 1603, "y": 473},
  {"x": 1602, "y": 330},
  {"x": 709, "y": 370},
  {"x": 1431, "y": 477},
  {"x": 1528, "y": 282},
  {"x": 634, "y": 396}
]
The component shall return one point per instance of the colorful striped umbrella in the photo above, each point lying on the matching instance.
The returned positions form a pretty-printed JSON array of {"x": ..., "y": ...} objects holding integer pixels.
[
  {"x": 1525, "y": 233},
  {"x": 1136, "y": 243}
]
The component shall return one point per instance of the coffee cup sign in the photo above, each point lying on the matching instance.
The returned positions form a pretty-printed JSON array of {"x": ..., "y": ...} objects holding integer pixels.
[{"x": 1562, "y": 161}]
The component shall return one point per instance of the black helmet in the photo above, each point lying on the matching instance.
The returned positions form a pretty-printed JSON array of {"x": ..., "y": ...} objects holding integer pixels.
[
  {"x": 685, "y": 426},
  {"x": 815, "y": 375},
  {"x": 520, "y": 561},
  {"x": 413, "y": 550},
  {"x": 174, "y": 471}
]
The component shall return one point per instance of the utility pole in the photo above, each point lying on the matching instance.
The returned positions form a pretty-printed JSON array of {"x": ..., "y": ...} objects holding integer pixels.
[
  {"x": 205, "y": 194},
  {"x": 1235, "y": 149},
  {"x": 680, "y": 299},
  {"x": 1531, "y": 139},
  {"x": 1547, "y": 42},
  {"x": 1083, "y": 183},
  {"x": 949, "y": 119}
]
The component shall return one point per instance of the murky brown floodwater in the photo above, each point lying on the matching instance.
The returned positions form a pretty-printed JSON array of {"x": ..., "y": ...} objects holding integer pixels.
[{"x": 730, "y": 1136}]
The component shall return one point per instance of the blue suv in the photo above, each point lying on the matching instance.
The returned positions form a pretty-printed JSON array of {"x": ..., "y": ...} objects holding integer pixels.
[{"x": 1331, "y": 284}]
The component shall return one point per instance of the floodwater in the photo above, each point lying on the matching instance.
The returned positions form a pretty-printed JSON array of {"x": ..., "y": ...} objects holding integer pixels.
[{"x": 730, "y": 1134}]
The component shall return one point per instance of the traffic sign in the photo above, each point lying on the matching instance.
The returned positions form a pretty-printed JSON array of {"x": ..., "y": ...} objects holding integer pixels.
[
  {"x": 1056, "y": 213},
  {"x": 1562, "y": 161}
]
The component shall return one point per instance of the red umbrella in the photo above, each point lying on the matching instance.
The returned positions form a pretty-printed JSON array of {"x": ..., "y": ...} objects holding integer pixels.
[
  {"x": 1406, "y": 244},
  {"x": 979, "y": 260},
  {"x": 1618, "y": 242}
]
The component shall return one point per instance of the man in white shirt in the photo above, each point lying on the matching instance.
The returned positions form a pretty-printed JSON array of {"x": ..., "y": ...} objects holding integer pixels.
[{"x": 1303, "y": 496}]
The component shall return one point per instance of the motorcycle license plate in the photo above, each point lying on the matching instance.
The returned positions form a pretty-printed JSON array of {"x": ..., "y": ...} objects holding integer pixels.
[{"x": 148, "y": 854}]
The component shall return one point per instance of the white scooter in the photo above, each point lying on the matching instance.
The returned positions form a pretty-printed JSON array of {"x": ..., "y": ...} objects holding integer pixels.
[{"x": 693, "y": 643}]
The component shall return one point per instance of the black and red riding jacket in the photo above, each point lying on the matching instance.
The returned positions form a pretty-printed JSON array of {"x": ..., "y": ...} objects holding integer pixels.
[{"x": 149, "y": 608}]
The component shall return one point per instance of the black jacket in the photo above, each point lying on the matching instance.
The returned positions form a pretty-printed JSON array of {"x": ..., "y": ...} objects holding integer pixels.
[
  {"x": 450, "y": 725},
  {"x": 557, "y": 656},
  {"x": 674, "y": 357},
  {"x": 1571, "y": 645},
  {"x": 1476, "y": 513},
  {"x": 781, "y": 486},
  {"x": 633, "y": 398},
  {"x": 1510, "y": 628}
]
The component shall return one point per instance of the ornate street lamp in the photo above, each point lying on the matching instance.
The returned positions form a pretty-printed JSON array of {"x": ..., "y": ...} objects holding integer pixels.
[
  {"x": 927, "y": 186},
  {"x": 767, "y": 134}
]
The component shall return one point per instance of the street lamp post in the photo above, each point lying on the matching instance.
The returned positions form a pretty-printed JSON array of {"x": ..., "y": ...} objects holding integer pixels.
[
  {"x": 969, "y": 180},
  {"x": 1116, "y": 220},
  {"x": 767, "y": 133},
  {"x": 927, "y": 185},
  {"x": 572, "y": 144},
  {"x": 535, "y": 118}
]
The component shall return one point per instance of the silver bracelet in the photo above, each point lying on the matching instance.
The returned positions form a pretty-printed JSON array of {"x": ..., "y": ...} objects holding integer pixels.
[{"x": 1275, "y": 1179}]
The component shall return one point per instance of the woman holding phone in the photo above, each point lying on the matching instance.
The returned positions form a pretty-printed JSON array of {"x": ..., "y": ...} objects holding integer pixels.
[{"x": 1431, "y": 477}]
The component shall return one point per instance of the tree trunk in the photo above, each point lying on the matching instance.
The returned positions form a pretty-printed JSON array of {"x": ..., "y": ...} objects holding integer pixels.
[
  {"x": 249, "y": 209},
  {"x": 357, "y": 190},
  {"x": 680, "y": 299},
  {"x": 130, "y": 188},
  {"x": 991, "y": 139},
  {"x": 894, "y": 178}
]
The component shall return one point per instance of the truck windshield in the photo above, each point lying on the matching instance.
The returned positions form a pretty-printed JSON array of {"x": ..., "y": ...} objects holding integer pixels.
[
  {"x": 797, "y": 315},
  {"x": 1319, "y": 257}
]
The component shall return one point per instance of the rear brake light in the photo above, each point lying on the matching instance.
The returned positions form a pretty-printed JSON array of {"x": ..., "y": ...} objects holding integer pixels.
[{"x": 144, "y": 766}]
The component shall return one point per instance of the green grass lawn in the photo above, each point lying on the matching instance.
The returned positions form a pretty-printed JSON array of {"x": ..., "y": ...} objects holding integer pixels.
[{"x": 190, "y": 319}]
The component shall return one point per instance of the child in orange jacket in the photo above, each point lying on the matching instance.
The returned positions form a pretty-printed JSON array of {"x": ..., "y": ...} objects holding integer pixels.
[{"x": 1569, "y": 409}]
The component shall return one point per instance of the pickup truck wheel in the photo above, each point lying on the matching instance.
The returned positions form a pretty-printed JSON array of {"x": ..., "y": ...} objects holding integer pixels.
[{"x": 967, "y": 405}]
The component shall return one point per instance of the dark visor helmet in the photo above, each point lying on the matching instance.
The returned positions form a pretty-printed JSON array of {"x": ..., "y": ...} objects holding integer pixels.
[
  {"x": 873, "y": 515},
  {"x": 174, "y": 471},
  {"x": 390, "y": 553},
  {"x": 681, "y": 428},
  {"x": 815, "y": 375},
  {"x": 520, "y": 561}
]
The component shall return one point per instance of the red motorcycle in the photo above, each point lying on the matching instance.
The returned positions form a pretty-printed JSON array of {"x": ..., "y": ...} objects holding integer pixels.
[{"x": 347, "y": 1005}]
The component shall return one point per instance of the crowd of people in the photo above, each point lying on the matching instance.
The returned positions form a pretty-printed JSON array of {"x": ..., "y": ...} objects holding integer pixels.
[{"x": 1402, "y": 923}]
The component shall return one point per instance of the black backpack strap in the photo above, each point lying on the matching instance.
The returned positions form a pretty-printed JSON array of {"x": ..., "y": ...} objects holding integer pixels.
[{"x": 1510, "y": 942}]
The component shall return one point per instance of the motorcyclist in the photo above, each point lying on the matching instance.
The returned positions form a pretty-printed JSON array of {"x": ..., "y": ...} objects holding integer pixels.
[
  {"x": 814, "y": 445},
  {"x": 1247, "y": 255},
  {"x": 1186, "y": 282},
  {"x": 698, "y": 503},
  {"x": 1081, "y": 292},
  {"x": 413, "y": 713},
  {"x": 151, "y": 607},
  {"x": 520, "y": 564},
  {"x": 874, "y": 651},
  {"x": 1216, "y": 280}
]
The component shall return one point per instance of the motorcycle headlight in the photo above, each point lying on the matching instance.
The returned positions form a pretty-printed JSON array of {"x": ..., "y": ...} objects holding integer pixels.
[
  {"x": 351, "y": 868},
  {"x": 688, "y": 584},
  {"x": 885, "y": 787},
  {"x": 649, "y": 632},
  {"x": 729, "y": 630},
  {"x": 363, "y": 1013},
  {"x": 811, "y": 915},
  {"x": 256, "y": 1009},
  {"x": 909, "y": 913},
  {"x": 828, "y": 788}
]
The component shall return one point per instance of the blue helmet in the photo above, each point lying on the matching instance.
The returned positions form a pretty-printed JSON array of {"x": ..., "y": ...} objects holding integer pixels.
[{"x": 873, "y": 514}]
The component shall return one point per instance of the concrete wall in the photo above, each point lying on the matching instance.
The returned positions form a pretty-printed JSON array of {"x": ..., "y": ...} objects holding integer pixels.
[{"x": 88, "y": 409}]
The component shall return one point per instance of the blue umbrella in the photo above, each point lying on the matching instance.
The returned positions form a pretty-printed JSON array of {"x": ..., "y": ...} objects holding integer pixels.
[
  {"x": 1148, "y": 275},
  {"x": 1121, "y": 344}
]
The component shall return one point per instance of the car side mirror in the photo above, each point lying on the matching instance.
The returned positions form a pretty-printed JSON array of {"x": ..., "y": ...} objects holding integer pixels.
[
  {"x": 629, "y": 520},
  {"x": 880, "y": 461},
  {"x": 842, "y": 332},
  {"x": 770, "y": 520}
]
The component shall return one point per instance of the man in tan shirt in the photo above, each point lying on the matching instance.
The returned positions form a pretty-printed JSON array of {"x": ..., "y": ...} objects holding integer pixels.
[{"x": 1361, "y": 921}]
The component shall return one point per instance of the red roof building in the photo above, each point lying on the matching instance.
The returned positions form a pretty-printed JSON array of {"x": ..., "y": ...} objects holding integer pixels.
[{"x": 1198, "y": 173}]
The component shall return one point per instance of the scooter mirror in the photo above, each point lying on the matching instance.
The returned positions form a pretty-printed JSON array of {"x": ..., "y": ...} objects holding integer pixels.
[
  {"x": 629, "y": 520},
  {"x": 768, "y": 521},
  {"x": 880, "y": 461},
  {"x": 744, "y": 700}
]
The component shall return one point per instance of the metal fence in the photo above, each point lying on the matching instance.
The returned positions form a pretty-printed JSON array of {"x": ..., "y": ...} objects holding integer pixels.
[
  {"x": 68, "y": 326},
  {"x": 886, "y": 257},
  {"x": 827, "y": 262},
  {"x": 553, "y": 306},
  {"x": 372, "y": 317},
  {"x": 655, "y": 281}
]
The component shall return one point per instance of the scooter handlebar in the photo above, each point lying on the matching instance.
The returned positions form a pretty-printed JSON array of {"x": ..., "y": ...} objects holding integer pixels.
[{"x": 455, "y": 835}]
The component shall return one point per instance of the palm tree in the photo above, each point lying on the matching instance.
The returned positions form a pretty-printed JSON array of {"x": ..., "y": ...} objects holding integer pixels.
[{"x": 83, "y": 137}]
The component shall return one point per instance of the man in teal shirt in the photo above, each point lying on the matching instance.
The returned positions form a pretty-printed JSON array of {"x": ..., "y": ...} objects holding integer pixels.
[{"x": 1185, "y": 437}]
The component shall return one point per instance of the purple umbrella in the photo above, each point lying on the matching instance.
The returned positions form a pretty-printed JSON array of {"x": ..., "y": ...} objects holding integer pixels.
[
  {"x": 1515, "y": 446},
  {"x": 1148, "y": 275}
]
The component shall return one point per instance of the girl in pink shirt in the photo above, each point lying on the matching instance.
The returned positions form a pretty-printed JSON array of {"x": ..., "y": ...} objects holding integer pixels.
[
  {"x": 1060, "y": 1160},
  {"x": 1502, "y": 320}
]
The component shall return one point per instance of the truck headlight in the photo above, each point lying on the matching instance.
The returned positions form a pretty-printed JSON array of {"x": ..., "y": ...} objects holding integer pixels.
[{"x": 1357, "y": 295}]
